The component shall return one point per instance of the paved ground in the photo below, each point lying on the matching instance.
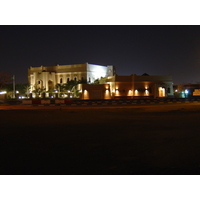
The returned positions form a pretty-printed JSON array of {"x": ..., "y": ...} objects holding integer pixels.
[{"x": 136, "y": 139}]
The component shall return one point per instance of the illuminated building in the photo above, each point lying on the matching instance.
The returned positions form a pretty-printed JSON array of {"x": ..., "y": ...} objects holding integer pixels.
[
  {"x": 144, "y": 86},
  {"x": 46, "y": 78},
  {"x": 116, "y": 87},
  {"x": 129, "y": 87}
]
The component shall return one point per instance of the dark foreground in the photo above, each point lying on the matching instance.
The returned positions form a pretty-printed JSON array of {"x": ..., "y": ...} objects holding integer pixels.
[{"x": 130, "y": 140}]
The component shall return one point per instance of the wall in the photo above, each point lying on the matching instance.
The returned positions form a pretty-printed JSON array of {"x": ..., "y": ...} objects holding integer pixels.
[
  {"x": 89, "y": 91},
  {"x": 95, "y": 71},
  {"x": 134, "y": 86}
]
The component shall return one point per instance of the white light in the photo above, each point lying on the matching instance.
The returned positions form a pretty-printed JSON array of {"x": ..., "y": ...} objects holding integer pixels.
[
  {"x": 186, "y": 91},
  {"x": 17, "y": 92},
  {"x": 3, "y": 92}
]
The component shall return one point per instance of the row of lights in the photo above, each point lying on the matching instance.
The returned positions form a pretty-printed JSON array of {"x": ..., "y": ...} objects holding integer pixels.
[
  {"x": 56, "y": 91},
  {"x": 186, "y": 91},
  {"x": 146, "y": 90},
  {"x": 4, "y": 92}
]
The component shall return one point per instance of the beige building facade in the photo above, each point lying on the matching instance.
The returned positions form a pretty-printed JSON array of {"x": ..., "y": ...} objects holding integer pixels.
[{"x": 46, "y": 78}]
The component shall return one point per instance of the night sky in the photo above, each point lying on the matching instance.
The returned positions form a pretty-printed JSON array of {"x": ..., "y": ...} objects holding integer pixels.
[{"x": 156, "y": 50}]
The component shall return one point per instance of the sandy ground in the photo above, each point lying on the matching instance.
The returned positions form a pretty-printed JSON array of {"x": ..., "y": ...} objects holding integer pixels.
[{"x": 144, "y": 139}]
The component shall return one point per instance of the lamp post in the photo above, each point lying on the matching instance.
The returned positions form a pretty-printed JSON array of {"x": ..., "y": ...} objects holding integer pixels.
[{"x": 13, "y": 86}]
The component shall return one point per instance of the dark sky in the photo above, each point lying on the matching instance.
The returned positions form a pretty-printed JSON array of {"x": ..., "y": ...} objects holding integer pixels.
[{"x": 156, "y": 50}]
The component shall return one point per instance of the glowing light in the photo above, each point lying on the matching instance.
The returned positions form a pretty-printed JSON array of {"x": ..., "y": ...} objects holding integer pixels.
[
  {"x": 116, "y": 91},
  {"x": 3, "y": 92},
  {"x": 136, "y": 92},
  {"x": 17, "y": 92},
  {"x": 107, "y": 94},
  {"x": 85, "y": 94},
  {"x": 186, "y": 91},
  {"x": 146, "y": 92},
  {"x": 130, "y": 93},
  {"x": 161, "y": 91}
]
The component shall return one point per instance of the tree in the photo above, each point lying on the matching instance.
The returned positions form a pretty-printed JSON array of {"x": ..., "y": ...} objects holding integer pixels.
[
  {"x": 38, "y": 91},
  {"x": 96, "y": 82},
  {"x": 145, "y": 74},
  {"x": 4, "y": 78},
  {"x": 102, "y": 80},
  {"x": 60, "y": 87}
]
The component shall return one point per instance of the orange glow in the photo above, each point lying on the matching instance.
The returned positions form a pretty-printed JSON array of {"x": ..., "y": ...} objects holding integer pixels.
[
  {"x": 85, "y": 94},
  {"x": 161, "y": 92},
  {"x": 107, "y": 94},
  {"x": 116, "y": 92},
  {"x": 130, "y": 93},
  {"x": 146, "y": 93}
]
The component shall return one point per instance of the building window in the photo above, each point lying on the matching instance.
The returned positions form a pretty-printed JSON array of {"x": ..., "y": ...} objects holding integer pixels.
[
  {"x": 168, "y": 90},
  {"x": 67, "y": 80},
  {"x": 61, "y": 80},
  {"x": 38, "y": 82},
  {"x": 75, "y": 78}
]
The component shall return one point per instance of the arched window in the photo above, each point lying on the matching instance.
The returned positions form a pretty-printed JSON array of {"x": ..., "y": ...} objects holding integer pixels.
[
  {"x": 67, "y": 80},
  {"x": 75, "y": 78},
  {"x": 61, "y": 80}
]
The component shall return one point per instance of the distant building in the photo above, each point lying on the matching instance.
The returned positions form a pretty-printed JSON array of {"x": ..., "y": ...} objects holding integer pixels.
[
  {"x": 46, "y": 78},
  {"x": 187, "y": 90}
]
